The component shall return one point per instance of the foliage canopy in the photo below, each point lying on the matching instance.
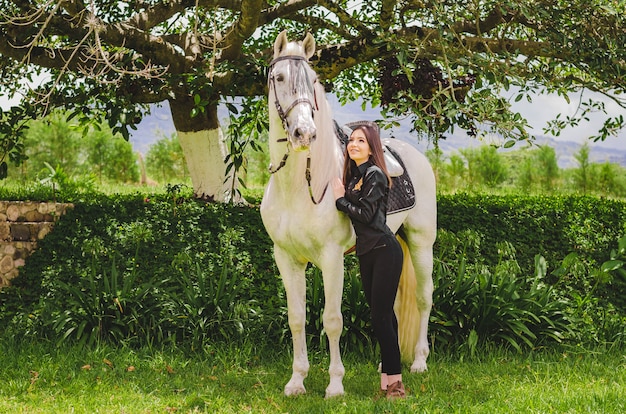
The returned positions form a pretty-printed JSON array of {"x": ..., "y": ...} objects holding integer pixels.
[{"x": 442, "y": 63}]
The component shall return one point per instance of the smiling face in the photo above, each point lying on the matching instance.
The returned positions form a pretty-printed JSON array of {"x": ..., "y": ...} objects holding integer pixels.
[{"x": 358, "y": 147}]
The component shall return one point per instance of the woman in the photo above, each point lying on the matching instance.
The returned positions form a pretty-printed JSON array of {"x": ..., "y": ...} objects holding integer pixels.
[{"x": 363, "y": 196}]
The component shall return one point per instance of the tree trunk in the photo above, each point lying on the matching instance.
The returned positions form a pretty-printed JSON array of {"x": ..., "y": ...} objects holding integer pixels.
[{"x": 202, "y": 142}]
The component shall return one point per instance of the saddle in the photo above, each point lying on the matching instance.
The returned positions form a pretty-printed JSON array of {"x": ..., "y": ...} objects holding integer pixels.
[
  {"x": 394, "y": 168},
  {"x": 401, "y": 194}
]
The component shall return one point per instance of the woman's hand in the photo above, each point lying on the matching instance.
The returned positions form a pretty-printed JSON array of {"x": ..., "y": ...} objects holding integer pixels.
[{"x": 338, "y": 188}]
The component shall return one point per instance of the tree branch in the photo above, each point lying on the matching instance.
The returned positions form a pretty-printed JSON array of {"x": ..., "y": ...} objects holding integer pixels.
[
  {"x": 150, "y": 46},
  {"x": 481, "y": 26},
  {"x": 241, "y": 30},
  {"x": 284, "y": 10},
  {"x": 386, "y": 14},
  {"x": 346, "y": 21},
  {"x": 158, "y": 13}
]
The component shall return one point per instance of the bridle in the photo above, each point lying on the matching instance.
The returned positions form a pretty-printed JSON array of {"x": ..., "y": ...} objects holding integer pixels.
[{"x": 283, "y": 113}]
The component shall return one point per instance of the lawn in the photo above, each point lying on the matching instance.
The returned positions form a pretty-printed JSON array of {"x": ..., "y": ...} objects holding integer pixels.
[{"x": 43, "y": 378}]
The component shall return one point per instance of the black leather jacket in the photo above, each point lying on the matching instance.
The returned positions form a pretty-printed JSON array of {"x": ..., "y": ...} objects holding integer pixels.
[{"x": 365, "y": 202}]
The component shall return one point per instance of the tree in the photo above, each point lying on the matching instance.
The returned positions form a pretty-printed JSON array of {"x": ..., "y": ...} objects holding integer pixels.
[
  {"x": 110, "y": 157},
  {"x": 455, "y": 170},
  {"x": 471, "y": 160},
  {"x": 582, "y": 174},
  {"x": 436, "y": 159},
  {"x": 486, "y": 165},
  {"x": 443, "y": 63},
  {"x": 54, "y": 141},
  {"x": 164, "y": 160},
  {"x": 547, "y": 166},
  {"x": 607, "y": 179},
  {"x": 526, "y": 174}
]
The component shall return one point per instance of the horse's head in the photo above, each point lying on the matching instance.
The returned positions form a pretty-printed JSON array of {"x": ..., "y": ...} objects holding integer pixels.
[{"x": 291, "y": 86}]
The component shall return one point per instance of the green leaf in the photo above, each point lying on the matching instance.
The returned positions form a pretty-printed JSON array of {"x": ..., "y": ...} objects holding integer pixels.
[{"x": 611, "y": 265}]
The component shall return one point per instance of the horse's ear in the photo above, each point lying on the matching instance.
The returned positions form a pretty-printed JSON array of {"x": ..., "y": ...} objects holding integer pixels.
[
  {"x": 309, "y": 45},
  {"x": 280, "y": 43}
]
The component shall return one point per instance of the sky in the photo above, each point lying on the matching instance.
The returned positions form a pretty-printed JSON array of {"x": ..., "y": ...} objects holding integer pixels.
[{"x": 545, "y": 108}]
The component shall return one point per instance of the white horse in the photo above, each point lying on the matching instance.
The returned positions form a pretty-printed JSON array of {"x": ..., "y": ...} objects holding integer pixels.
[{"x": 298, "y": 211}]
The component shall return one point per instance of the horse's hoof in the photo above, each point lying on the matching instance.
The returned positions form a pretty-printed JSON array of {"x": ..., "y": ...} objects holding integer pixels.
[
  {"x": 294, "y": 390},
  {"x": 419, "y": 366},
  {"x": 331, "y": 393}
]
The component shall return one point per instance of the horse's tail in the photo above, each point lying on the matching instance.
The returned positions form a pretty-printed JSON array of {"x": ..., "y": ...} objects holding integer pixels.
[{"x": 405, "y": 306}]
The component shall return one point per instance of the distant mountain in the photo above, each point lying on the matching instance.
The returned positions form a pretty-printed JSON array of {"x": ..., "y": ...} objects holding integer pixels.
[
  {"x": 159, "y": 124},
  {"x": 565, "y": 150}
]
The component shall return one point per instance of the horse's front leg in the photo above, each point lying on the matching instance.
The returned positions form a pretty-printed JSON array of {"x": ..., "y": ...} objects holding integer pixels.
[
  {"x": 332, "y": 271},
  {"x": 294, "y": 280}
]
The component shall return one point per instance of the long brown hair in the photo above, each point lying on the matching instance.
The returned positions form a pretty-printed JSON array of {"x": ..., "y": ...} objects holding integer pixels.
[{"x": 372, "y": 134}]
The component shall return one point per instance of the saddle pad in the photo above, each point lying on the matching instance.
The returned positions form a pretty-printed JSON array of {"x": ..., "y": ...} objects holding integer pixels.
[{"x": 402, "y": 193}]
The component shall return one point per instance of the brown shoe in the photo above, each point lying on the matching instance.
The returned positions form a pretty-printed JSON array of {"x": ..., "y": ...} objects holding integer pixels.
[{"x": 395, "y": 390}]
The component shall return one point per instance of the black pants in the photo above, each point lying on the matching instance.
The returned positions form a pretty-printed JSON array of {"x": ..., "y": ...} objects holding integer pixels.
[{"x": 380, "y": 275}]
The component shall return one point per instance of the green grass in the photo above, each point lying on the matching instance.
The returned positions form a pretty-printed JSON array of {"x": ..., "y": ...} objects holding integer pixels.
[{"x": 41, "y": 378}]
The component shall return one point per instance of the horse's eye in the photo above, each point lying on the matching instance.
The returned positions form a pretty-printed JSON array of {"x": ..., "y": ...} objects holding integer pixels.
[{"x": 280, "y": 77}]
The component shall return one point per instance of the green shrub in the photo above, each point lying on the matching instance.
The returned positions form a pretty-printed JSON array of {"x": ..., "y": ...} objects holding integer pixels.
[
  {"x": 615, "y": 269},
  {"x": 210, "y": 303},
  {"x": 552, "y": 226},
  {"x": 139, "y": 242},
  {"x": 106, "y": 306},
  {"x": 477, "y": 304},
  {"x": 168, "y": 268}
]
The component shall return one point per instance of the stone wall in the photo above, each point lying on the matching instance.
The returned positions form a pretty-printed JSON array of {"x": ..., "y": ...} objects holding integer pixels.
[{"x": 22, "y": 225}]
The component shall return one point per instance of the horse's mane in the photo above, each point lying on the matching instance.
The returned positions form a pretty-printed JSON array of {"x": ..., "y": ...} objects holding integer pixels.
[{"x": 326, "y": 151}]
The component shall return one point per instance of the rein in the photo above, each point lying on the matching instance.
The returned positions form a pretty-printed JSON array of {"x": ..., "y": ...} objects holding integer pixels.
[{"x": 283, "y": 117}]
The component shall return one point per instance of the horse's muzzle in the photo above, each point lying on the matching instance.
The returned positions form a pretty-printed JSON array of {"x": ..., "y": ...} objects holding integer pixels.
[{"x": 303, "y": 137}]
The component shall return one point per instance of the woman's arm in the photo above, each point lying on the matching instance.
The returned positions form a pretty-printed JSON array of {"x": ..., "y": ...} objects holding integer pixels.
[{"x": 372, "y": 191}]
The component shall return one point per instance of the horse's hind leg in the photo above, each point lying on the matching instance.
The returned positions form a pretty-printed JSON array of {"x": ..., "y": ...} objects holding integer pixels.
[
  {"x": 422, "y": 257},
  {"x": 333, "y": 321},
  {"x": 293, "y": 275}
]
